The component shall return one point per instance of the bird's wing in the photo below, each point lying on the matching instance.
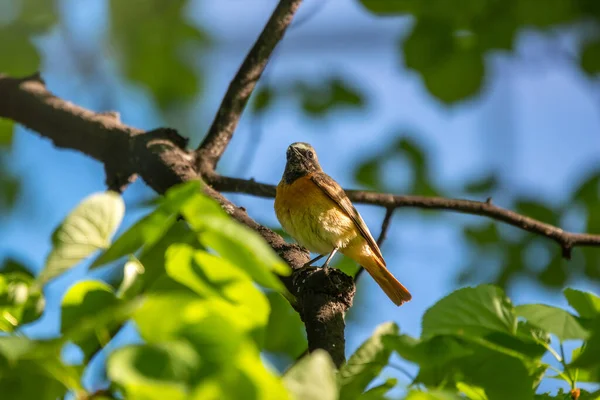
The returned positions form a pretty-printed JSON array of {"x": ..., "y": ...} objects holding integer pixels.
[{"x": 337, "y": 194}]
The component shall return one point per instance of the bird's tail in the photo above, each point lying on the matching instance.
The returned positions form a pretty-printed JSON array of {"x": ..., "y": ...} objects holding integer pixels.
[{"x": 390, "y": 285}]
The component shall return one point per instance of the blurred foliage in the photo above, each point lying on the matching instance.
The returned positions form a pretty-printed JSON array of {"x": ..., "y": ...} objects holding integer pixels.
[
  {"x": 526, "y": 255},
  {"x": 370, "y": 172},
  {"x": 214, "y": 306},
  {"x": 157, "y": 46},
  {"x": 449, "y": 41},
  {"x": 316, "y": 99}
]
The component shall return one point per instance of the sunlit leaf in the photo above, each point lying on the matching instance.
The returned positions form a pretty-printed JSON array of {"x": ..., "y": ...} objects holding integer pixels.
[
  {"x": 366, "y": 363},
  {"x": 235, "y": 242},
  {"x": 154, "y": 370},
  {"x": 88, "y": 228},
  {"x": 378, "y": 392},
  {"x": 554, "y": 320},
  {"x": 586, "y": 304},
  {"x": 472, "y": 311},
  {"x": 432, "y": 395},
  {"x": 312, "y": 378},
  {"x": 85, "y": 300},
  {"x": 216, "y": 279}
]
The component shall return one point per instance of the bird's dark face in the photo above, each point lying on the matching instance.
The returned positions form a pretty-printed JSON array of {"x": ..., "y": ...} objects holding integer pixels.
[{"x": 301, "y": 160}]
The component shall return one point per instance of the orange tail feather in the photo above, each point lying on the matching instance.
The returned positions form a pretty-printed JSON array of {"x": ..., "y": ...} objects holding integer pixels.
[{"x": 377, "y": 269}]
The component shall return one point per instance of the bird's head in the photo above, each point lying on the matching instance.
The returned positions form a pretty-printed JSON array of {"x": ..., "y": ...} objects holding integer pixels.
[{"x": 301, "y": 160}]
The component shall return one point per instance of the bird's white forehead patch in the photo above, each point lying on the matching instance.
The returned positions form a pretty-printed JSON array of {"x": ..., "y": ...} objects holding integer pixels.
[{"x": 302, "y": 146}]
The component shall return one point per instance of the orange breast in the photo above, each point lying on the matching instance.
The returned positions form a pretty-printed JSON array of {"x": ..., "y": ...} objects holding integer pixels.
[{"x": 311, "y": 217}]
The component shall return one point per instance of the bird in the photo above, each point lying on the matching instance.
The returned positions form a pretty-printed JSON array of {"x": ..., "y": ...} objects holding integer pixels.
[{"x": 316, "y": 212}]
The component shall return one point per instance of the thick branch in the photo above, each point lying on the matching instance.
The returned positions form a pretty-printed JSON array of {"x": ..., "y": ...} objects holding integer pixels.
[
  {"x": 160, "y": 158},
  {"x": 566, "y": 240},
  {"x": 221, "y": 131}
]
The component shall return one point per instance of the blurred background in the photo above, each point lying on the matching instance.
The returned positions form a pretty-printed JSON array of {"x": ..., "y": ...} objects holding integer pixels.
[{"x": 472, "y": 100}]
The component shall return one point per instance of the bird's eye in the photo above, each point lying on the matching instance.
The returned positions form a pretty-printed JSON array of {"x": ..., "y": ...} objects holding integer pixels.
[{"x": 310, "y": 154}]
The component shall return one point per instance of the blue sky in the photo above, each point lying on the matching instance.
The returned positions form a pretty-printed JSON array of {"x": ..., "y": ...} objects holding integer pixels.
[{"x": 535, "y": 123}]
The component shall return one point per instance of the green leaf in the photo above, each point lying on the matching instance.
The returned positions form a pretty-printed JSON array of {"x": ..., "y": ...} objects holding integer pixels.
[
  {"x": 432, "y": 395},
  {"x": 89, "y": 227},
  {"x": 24, "y": 58},
  {"x": 216, "y": 279},
  {"x": 21, "y": 300},
  {"x": 145, "y": 232},
  {"x": 378, "y": 392},
  {"x": 501, "y": 376},
  {"x": 451, "y": 65},
  {"x": 152, "y": 371},
  {"x": 6, "y": 132},
  {"x": 235, "y": 242},
  {"x": 484, "y": 185},
  {"x": 285, "y": 330},
  {"x": 438, "y": 350},
  {"x": 554, "y": 320},
  {"x": 263, "y": 98},
  {"x": 153, "y": 257},
  {"x": 30, "y": 380},
  {"x": 86, "y": 300},
  {"x": 156, "y": 44},
  {"x": 312, "y": 378},
  {"x": 471, "y": 311},
  {"x": 368, "y": 173},
  {"x": 366, "y": 363},
  {"x": 590, "y": 57},
  {"x": 586, "y": 304},
  {"x": 587, "y": 361},
  {"x": 391, "y": 7},
  {"x": 472, "y": 392},
  {"x": 334, "y": 94},
  {"x": 153, "y": 227},
  {"x": 537, "y": 210}
]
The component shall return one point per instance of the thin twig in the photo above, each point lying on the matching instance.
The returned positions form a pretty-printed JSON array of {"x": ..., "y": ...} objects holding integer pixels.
[
  {"x": 221, "y": 131},
  {"x": 566, "y": 240},
  {"x": 563, "y": 361}
]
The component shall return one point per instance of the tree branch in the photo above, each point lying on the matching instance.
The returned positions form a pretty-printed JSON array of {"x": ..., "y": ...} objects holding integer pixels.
[
  {"x": 221, "y": 131},
  {"x": 566, "y": 240}
]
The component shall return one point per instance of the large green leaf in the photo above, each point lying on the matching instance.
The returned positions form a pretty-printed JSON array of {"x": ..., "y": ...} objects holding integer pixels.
[
  {"x": 366, "y": 363},
  {"x": 6, "y": 132},
  {"x": 451, "y": 66},
  {"x": 378, "y": 392},
  {"x": 590, "y": 57},
  {"x": 21, "y": 300},
  {"x": 554, "y": 320},
  {"x": 89, "y": 227},
  {"x": 153, "y": 227},
  {"x": 472, "y": 311},
  {"x": 439, "y": 350},
  {"x": 587, "y": 360},
  {"x": 87, "y": 300},
  {"x": 285, "y": 330},
  {"x": 155, "y": 43},
  {"x": 216, "y": 279},
  {"x": 235, "y": 242},
  {"x": 33, "y": 370},
  {"x": 154, "y": 371},
  {"x": 312, "y": 378},
  {"x": 432, "y": 395},
  {"x": 586, "y": 304}
]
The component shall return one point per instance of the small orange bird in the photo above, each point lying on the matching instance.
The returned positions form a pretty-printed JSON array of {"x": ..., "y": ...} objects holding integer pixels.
[{"x": 316, "y": 211}]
